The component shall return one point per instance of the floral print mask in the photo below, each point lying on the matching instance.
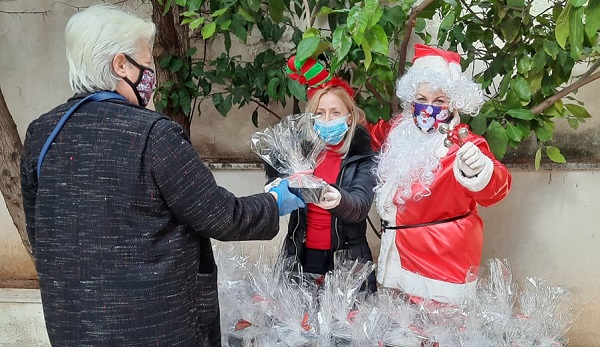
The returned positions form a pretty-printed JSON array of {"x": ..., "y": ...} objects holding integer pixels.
[{"x": 144, "y": 84}]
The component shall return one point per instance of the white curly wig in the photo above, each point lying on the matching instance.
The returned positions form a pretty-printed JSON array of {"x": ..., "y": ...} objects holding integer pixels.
[
  {"x": 399, "y": 171},
  {"x": 437, "y": 73}
]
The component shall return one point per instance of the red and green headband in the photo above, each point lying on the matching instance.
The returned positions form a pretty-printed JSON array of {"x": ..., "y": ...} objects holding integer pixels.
[{"x": 314, "y": 75}]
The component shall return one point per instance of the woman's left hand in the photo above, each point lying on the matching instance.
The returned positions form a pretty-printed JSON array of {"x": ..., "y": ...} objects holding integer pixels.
[{"x": 330, "y": 198}]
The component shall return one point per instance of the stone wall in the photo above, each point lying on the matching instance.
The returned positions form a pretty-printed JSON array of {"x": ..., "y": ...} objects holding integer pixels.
[{"x": 547, "y": 227}]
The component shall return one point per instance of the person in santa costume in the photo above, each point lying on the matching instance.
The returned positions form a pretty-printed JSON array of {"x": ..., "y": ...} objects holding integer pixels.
[{"x": 432, "y": 172}]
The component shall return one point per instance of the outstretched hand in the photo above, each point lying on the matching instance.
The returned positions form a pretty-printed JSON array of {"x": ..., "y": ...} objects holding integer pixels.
[
  {"x": 286, "y": 200},
  {"x": 330, "y": 198},
  {"x": 470, "y": 159}
]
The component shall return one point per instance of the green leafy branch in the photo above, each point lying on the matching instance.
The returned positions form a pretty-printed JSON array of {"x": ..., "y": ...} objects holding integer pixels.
[{"x": 523, "y": 59}]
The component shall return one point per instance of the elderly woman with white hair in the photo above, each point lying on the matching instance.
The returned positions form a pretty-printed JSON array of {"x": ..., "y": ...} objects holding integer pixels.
[
  {"x": 119, "y": 207},
  {"x": 432, "y": 172}
]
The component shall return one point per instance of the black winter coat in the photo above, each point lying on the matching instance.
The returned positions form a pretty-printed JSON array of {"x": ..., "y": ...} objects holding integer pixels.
[
  {"x": 348, "y": 220},
  {"x": 120, "y": 223}
]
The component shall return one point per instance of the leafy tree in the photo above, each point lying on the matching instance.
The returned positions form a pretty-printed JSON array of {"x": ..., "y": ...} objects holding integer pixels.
[
  {"x": 526, "y": 53},
  {"x": 521, "y": 52}
]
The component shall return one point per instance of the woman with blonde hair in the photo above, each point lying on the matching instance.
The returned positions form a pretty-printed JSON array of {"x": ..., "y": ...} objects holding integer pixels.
[{"x": 338, "y": 221}]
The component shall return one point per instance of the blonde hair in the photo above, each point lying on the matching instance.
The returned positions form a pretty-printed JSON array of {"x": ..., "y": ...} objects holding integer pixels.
[
  {"x": 357, "y": 116},
  {"x": 94, "y": 36}
]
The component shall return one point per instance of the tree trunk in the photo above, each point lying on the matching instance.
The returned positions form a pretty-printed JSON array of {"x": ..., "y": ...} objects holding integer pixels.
[
  {"x": 171, "y": 38},
  {"x": 10, "y": 160}
]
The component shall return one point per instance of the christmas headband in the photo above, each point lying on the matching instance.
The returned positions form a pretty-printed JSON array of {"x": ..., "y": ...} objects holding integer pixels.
[{"x": 314, "y": 75}]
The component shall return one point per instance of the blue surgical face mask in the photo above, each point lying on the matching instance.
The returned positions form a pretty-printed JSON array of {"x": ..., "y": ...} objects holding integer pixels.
[{"x": 332, "y": 131}]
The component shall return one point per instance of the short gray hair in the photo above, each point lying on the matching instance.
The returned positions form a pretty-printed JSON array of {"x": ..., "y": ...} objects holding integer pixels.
[{"x": 94, "y": 36}]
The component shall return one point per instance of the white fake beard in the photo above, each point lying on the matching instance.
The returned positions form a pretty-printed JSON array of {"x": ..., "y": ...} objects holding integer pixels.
[{"x": 408, "y": 156}]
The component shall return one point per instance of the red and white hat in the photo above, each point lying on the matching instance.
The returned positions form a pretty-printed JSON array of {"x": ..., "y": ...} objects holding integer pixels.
[{"x": 442, "y": 61}]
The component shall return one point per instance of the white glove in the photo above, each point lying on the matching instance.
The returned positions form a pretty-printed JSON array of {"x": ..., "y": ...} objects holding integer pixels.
[
  {"x": 470, "y": 160},
  {"x": 272, "y": 184},
  {"x": 330, "y": 198}
]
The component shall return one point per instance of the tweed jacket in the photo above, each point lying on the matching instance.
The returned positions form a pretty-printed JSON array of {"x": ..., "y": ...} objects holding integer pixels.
[{"x": 120, "y": 221}]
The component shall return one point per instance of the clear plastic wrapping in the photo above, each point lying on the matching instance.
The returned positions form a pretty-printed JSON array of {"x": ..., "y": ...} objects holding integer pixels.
[
  {"x": 293, "y": 149},
  {"x": 339, "y": 298},
  {"x": 271, "y": 302}
]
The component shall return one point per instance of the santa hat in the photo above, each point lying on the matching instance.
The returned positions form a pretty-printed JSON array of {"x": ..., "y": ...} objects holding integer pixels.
[
  {"x": 445, "y": 62},
  {"x": 312, "y": 74}
]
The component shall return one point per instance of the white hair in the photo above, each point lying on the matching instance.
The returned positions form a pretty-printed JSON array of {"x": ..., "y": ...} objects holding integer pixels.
[
  {"x": 94, "y": 36},
  {"x": 464, "y": 95}
]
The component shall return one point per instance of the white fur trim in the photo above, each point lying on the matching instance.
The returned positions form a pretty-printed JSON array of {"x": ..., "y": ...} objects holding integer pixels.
[
  {"x": 388, "y": 254},
  {"x": 433, "y": 62},
  {"x": 390, "y": 274},
  {"x": 439, "y": 64},
  {"x": 384, "y": 202},
  {"x": 428, "y": 288},
  {"x": 476, "y": 183}
]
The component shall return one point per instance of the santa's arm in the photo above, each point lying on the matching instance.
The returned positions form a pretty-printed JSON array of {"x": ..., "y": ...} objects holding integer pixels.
[
  {"x": 378, "y": 132},
  {"x": 492, "y": 183}
]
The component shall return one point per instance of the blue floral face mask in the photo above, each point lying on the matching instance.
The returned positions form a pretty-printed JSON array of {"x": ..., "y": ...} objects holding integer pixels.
[{"x": 332, "y": 131}]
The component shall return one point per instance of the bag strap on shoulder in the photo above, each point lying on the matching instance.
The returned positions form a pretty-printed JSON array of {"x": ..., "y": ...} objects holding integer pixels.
[{"x": 99, "y": 96}]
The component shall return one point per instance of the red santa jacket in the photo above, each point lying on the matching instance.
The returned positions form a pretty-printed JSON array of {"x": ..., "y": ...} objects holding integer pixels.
[{"x": 436, "y": 261}]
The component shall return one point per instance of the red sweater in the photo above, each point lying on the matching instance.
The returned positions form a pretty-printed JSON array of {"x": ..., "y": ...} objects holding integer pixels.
[{"x": 318, "y": 231}]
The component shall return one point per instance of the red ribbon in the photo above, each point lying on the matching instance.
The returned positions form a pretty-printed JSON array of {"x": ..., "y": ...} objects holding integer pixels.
[{"x": 453, "y": 135}]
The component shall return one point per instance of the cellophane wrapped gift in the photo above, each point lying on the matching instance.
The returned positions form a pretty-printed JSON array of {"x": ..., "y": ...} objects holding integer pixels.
[
  {"x": 502, "y": 314},
  {"x": 339, "y": 299},
  {"x": 294, "y": 149},
  {"x": 270, "y": 302}
]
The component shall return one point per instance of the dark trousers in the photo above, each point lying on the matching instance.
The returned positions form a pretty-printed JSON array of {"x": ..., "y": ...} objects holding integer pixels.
[
  {"x": 320, "y": 262},
  {"x": 316, "y": 261}
]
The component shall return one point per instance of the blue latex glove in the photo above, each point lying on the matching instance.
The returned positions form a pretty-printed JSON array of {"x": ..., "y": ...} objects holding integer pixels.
[{"x": 286, "y": 200}]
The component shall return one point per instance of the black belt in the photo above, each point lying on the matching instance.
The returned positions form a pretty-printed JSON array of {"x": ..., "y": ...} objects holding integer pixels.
[{"x": 384, "y": 224}]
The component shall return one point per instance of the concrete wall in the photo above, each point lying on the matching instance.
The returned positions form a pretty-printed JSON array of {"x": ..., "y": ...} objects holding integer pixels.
[{"x": 547, "y": 226}]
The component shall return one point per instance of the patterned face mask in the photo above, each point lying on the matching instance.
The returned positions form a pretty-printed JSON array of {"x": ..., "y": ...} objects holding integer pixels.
[
  {"x": 429, "y": 117},
  {"x": 144, "y": 84},
  {"x": 333, "y": 131}
]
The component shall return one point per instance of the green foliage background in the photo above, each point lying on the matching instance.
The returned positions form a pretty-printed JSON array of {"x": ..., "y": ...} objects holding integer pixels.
[{"x": 521, "y": 52}]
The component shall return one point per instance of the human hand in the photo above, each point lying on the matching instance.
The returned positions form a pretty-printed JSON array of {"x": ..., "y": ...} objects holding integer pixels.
[
  {"x": 470, "y": 160},
  {"x": 286, "y": 200},
  {"x": 330, "y": 198},
  {"x": 272, "y": 184}
]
